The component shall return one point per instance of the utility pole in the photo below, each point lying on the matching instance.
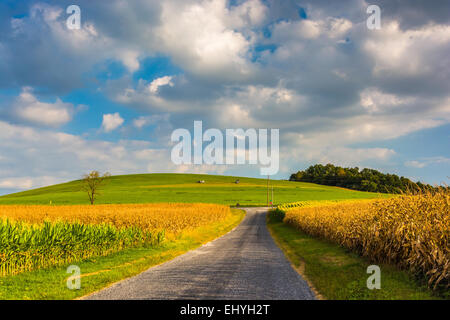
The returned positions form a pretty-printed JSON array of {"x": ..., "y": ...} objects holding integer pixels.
[
  {"x": 268, "y": 177},
  {"x": 272, "y": 196}
]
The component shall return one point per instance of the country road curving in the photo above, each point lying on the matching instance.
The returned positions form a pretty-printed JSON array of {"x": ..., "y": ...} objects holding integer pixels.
[{"x": 243, "y": 264}]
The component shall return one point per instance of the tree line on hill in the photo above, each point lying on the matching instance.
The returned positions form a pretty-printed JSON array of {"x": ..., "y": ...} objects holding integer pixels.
[{"x": 354, "y": 178}]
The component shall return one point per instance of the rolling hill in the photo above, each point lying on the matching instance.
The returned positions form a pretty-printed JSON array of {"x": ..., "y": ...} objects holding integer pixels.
[{"x": 159, "y": 187}]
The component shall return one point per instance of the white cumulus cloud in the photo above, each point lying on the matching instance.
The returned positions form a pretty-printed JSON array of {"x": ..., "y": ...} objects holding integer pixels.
[
  {"x": 158, "y": 82},
  {"x": 29, "y": 109},
  {"x": 111, "y": 121}
]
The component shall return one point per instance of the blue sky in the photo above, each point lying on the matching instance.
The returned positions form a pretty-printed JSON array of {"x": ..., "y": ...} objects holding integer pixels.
[{"x": 108, "y": 96}]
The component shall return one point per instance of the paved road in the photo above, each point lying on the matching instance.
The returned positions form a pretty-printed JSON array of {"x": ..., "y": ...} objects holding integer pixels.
[{"x": 243, "y": 264}]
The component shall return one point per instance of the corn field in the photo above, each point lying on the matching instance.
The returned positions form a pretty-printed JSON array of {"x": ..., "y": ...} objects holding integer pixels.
[
  {"x": 33, "y": 237},
  {"x": 171, "y": 217},
  {"x": 312, "y": 203},
  {"x": 410, "y": 231}
]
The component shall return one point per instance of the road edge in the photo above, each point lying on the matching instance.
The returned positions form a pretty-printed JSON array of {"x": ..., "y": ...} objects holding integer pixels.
[
  {"x": 300, "y": 269},
  {"x": 159, "y": 264}
]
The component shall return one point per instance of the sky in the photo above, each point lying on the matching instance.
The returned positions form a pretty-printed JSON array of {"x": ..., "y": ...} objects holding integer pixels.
[{"x": 109, "y": 95}]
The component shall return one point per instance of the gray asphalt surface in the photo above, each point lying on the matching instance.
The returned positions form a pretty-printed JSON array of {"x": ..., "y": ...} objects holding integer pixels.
[{"x": 243, "y": 264}]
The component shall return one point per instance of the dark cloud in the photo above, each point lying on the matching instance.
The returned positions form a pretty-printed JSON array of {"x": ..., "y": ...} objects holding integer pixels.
[
  {"x": 415, "y": 13},
  {"x": 36, "y": 49}
]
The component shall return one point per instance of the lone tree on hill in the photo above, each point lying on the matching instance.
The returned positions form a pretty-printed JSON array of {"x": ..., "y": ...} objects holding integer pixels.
[{"x": 92, "y": 183}]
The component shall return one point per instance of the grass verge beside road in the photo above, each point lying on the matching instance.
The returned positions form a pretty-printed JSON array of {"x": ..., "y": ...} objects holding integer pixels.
[
  {"x": 337, "y": 274},
  {"x": 100, "y": 272}
]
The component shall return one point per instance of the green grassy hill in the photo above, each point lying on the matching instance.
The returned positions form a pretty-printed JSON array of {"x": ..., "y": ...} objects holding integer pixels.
[{"x": 145, "y": 188}]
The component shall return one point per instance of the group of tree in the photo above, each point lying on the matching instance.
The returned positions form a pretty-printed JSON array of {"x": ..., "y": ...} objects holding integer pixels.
[{"x": 354, "y": 178}]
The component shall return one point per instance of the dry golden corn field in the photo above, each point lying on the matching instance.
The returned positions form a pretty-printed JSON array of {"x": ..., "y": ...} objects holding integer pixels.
[
  {"x": 410, "y": 231},
  {"x": 33, "y": 237},
  {"x": 172, "y": 217}
]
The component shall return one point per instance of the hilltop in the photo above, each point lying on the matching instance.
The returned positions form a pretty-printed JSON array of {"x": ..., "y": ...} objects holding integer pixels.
[{"x": 171, "y": 187}]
